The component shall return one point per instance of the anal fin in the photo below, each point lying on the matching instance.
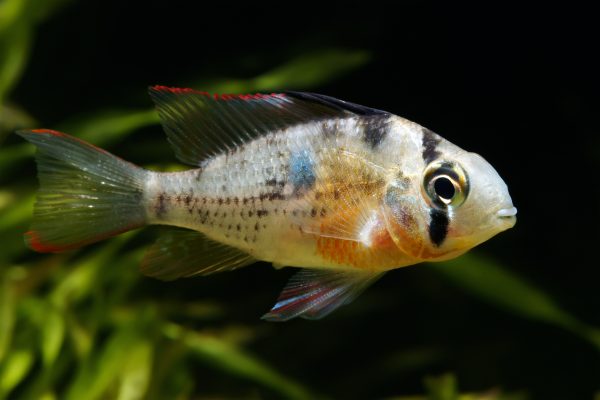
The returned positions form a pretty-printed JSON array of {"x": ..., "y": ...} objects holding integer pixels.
[
  {"x": 184, "y": 253},
  {"x": 313, "y": 294}
]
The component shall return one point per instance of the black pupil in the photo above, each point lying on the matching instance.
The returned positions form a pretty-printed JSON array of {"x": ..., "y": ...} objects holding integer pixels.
[{"x": 444, "y": 188}]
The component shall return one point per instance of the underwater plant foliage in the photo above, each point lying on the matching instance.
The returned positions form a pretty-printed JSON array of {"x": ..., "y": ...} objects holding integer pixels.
[{"x": 514, "y": 319}]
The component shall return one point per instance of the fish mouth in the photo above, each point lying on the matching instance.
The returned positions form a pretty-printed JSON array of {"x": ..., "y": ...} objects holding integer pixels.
[
  {"x": 507, "y": 212},
  {"x": 507, "y": 217}
]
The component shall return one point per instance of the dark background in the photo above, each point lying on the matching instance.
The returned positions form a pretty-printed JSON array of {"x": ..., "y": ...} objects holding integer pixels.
[{"x": 517, "y": 85}]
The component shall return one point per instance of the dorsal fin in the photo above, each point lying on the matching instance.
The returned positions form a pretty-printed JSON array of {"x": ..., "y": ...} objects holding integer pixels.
[
  {"x": 199, "y": 125},
  {"x": 334, "y": 103}
]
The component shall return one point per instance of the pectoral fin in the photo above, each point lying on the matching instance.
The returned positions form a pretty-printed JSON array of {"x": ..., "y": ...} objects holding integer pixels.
[{"x": 313, "y": 294}]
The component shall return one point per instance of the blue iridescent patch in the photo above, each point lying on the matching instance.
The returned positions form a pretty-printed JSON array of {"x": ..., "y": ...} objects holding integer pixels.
[{"x": 302, "y": 171}]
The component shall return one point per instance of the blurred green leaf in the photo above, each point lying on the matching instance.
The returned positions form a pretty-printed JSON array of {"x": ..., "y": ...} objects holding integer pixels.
[
  {"x": 304, "y": 72},
  {"x": 104, "y": 128},
  {"x": 135, "y": 375},
  {"x": 17, "y": 22},
  {"x": 52, "y": 334},
  {"x": 495, "y": 284},
  {"x": 110, "y": 371},
  {"x": 18, "y": 18},
  {"x": 233, "y": 360},
  {"x": 442, "y": 387},
  {"x": 12, "y": 118},
  {"x": 14, "y": 368},
  {"x": 7, "y": 314}
]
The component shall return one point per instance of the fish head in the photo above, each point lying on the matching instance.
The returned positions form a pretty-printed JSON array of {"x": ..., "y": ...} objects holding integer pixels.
[{"x": 446, "y": 205}]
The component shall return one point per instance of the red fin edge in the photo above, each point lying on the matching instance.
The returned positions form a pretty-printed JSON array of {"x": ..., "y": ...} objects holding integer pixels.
[
  {"x": 216, "y": 96},
  {"x": 32, "y": 238},
  {"x": 50, "y": 132}
]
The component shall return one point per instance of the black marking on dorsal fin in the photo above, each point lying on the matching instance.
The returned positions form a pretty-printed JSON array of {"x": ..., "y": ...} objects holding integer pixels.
[
  {"x": 337, "y": 104},
  {"x": 430, "y": 143},
  {"x": 438, "y": 226}
]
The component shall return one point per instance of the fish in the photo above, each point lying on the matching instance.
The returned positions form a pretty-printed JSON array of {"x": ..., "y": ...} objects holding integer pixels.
[{"x": 342, "y": 191}]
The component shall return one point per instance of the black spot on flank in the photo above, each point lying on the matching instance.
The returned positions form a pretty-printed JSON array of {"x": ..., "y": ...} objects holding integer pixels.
[
  {"x": 336, "y": 194},
  {"x": 220, "y": 200},
  {"x": 187, "y": 199},
  {"x": 430, "y": 143},
  {"x": 329, "y": 128},
  {"x": 375, "y": 129},
  {"x": 245, "y": 200},
  {"x": 236, "y": 200},
  {"x": 275, "y": 183},
  {"x": 198, "y": 174},
  {"x": 262, "y": 213},
  {"x": 227, "y": 200},
  {"x": 313, "y": 212},
  {"x": 256, "y": 226},
  {"x": 323, "y": 212},
  {"x": 238, "y": 227},
  {"x": 160, "y": 208},
  {"x": 250, "y": 213},
  {"x": 438, "y": 226}
]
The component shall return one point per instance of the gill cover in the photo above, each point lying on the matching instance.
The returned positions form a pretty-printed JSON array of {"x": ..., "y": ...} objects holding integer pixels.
[{"x": 418, "y": 215}]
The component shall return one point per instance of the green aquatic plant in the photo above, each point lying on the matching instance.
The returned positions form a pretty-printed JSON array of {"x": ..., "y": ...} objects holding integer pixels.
[{"x": 85, "y": 325}]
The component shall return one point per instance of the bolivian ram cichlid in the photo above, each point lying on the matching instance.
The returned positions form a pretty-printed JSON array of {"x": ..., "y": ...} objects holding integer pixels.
[{"x": 297, "y": 179}]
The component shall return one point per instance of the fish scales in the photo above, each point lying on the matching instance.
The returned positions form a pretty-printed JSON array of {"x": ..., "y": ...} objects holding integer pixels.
[
  {"x": 246, "y": 196},
  {"x": 343, "y": 191}
]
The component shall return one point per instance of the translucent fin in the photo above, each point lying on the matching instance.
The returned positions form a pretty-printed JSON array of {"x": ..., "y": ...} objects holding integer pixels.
[
  {"x": 86, "y": 194},
  {"x": 336, "y": 103},
  {"x": 183, "y": 253},
  {"x": 313, "y": 294},
  {"x": 200, "y": 125}
]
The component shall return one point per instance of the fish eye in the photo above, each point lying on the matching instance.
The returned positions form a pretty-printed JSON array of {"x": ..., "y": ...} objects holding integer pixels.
[
  {"x": 444, "y": 188},
  {"x": 445, "y": 184}
]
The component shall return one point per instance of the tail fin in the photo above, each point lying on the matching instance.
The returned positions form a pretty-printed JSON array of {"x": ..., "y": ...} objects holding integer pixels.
[{"x": 86, "y": 194}]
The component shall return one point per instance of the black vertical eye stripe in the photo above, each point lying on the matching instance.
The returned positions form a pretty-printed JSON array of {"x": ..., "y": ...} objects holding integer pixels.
[{"x": 438, "y": 226}]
